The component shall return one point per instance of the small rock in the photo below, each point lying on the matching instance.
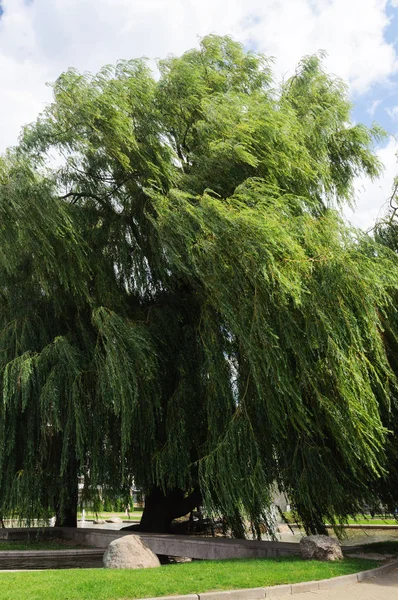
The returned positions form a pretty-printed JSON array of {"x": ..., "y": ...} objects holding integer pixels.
[
  {"x": 320, "y": 547},
  {"x": 99, "y": 521},
  {"x": 129, "y": 552},
  {"x": 114, "y": 520}
]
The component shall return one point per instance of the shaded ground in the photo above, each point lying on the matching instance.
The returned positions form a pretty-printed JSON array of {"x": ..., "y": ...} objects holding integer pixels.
[{"x": 378, "y": 551}]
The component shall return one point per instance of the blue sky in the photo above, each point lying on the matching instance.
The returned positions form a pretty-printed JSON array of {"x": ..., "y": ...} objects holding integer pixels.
[
  {"x": 41, "y": 38},
  {"x": 378, "y": 103}
]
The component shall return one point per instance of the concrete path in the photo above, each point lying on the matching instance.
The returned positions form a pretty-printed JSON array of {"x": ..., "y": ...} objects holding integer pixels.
[{"x": 379, "y": 588}]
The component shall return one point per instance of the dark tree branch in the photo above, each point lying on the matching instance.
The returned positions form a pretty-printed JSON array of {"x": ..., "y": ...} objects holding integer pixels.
[
  {"x": 394, "y": 208},
  {"x": 187, "y": 504},
  {"x": 100, "y": 199}
]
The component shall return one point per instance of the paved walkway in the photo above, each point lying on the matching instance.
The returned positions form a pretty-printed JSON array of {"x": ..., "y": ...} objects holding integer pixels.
[{"x": 380, "y": 588}]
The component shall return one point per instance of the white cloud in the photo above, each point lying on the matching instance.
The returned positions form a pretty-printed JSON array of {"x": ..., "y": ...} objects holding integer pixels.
[
  {"x": 350, "y": 31},
  {"x": 373, "y": 107},
  {"x": 393, "y": 112},
  {"x": 40, "y": 39},
  {"x": 372, "y": 197}
]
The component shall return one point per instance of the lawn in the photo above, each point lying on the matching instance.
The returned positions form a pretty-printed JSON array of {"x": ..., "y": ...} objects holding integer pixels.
[
  {"x": 357, "y": 520},
  {"x": 6, "y": 546},
  {"x": 134, "y": 515},
  {"x": 370, "y": 521},
  {"x": 195, "y": 577}
]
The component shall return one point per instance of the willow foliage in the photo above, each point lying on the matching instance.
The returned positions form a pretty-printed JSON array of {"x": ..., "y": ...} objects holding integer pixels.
[
  {"x": 386, "y": 233},
  {"x": 182, "y": 304}
]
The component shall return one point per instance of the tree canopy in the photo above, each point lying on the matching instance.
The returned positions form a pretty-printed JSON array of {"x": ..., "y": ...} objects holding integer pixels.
[{"x": 182, "y": 304}]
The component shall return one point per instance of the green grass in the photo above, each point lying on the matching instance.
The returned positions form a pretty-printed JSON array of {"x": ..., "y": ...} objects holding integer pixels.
[
  {"x": 6, "y": 546},
  {"x": 358, "y": 520},
  {"x": 370, "y": 521},
  {"x": 389, "y": 547},
  {"x": 134, "y": 515},
  {"x": 195, "y": 577}
]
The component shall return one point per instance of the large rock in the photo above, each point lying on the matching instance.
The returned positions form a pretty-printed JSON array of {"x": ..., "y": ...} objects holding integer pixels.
[
  {"x": 320, "y": 547},
  {"x": 129, "y": 552},
  {"x": 114, "y": 520}
]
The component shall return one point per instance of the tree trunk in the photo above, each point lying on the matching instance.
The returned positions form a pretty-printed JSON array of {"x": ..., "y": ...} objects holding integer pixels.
[
  {"x": 66, "y": 512},
  {"x": 161, "y": 508},
  {"x": 68, "y": 518}
]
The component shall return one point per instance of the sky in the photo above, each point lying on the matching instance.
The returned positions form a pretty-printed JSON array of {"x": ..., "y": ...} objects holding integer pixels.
[{"x": 39, "y": 39}]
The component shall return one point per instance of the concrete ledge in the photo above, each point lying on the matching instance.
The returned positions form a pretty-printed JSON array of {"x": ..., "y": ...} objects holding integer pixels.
[{"x": 204, "y": 548}]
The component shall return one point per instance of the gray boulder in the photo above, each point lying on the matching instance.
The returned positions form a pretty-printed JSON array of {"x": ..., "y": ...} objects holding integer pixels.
[
  {"x": 129, "y": 552},
  {"x": 320, "y": 547},
  {"x": 114, "y": 520}
]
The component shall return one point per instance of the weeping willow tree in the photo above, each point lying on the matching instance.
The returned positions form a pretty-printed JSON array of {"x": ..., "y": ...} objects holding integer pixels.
[
  {"x": 182, "y": 305},
  {"x": 386, "y": 234}
]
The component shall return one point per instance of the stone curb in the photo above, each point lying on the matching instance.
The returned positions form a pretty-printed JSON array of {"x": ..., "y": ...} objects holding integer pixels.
[{"x": 285, "y": 590}]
